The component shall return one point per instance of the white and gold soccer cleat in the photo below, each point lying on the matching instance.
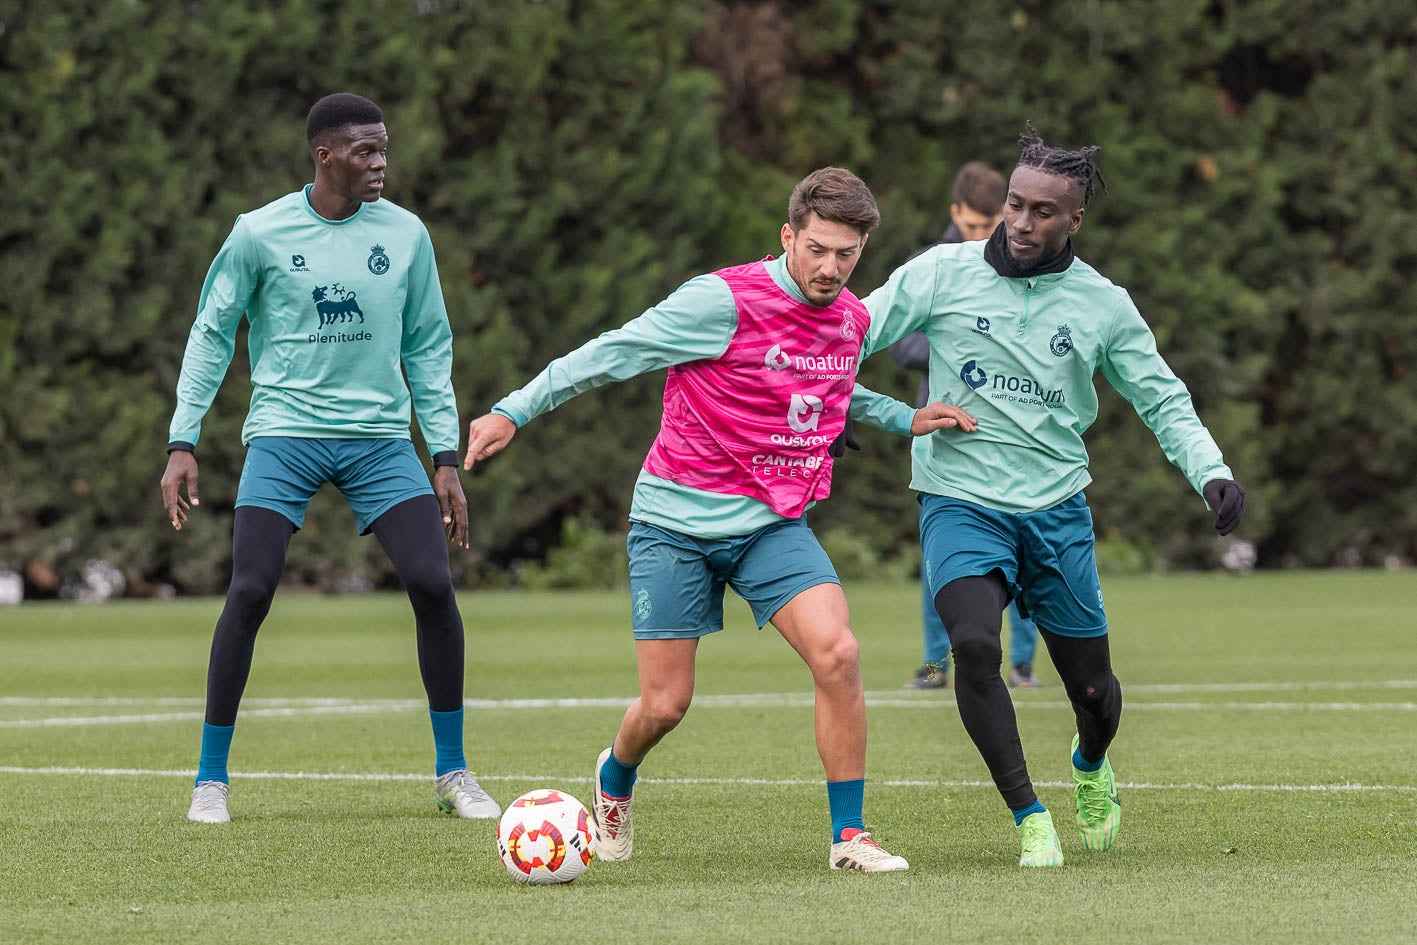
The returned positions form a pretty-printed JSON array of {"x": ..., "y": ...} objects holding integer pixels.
[
  {"x": 857, "y": 851},
  {"x": 613, "y": 820}
]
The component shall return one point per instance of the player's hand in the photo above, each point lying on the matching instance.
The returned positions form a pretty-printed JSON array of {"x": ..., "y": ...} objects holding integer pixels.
[
  {"x": 1226, "y": 499},
  {"x": 448, "y": 488},
  {"x": 486, "y": 436},
  {"x": 844, "y": 441},
  {"x": 181, "y": 469},
  {"x": 938, "y": 416}
]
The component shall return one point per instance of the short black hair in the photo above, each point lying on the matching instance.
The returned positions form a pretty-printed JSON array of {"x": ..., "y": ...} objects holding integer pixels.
[
  {"x": 1080, "y": 166},
  {"x": 340, "y": 110},
  {"x": 980, "y": 188}
]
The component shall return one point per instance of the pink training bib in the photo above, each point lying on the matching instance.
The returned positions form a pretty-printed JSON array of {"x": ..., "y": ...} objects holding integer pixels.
[{"x": 757, "y": 420}]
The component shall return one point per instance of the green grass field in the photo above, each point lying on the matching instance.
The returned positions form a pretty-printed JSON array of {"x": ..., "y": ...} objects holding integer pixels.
[{"x": 1266, "y": 758}]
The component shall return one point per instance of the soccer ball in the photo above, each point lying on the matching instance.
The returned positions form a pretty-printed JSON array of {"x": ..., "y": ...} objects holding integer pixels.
[{"x": 546, "y": 836}]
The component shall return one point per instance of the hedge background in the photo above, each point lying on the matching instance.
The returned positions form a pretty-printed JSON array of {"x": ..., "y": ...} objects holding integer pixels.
[{"x": 576, "y": 160}]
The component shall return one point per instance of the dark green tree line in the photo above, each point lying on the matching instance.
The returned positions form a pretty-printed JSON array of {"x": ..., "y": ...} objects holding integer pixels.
[{"x": 576, "y": 160}]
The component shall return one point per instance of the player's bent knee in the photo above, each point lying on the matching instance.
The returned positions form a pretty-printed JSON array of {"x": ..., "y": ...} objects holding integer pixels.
[
  {"x": 975, "y": 652},
  {"x": 430, "y": 588},
  {"x": 839, "y": 660},
  {"x": 250, "y": 595},
  {"x": 662, "y": 713}
]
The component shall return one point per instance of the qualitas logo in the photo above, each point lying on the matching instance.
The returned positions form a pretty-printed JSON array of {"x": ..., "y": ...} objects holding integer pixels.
[
  {"x": 297, "y": 263},
  {"x": 804, "y": 413}
]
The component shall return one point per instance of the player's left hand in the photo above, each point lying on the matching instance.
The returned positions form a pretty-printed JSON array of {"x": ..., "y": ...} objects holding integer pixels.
[
  {"x": 448, "y": 488},
  {"x": 1226, "y": 499},
  {"x": 938, "y": 416},
  {"x": 844, "y": 441}
]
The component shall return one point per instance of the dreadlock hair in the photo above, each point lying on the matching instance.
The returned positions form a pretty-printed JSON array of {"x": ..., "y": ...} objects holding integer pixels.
[
  {"x": 340, "y": 110},
  {"x": 1079, "y": 166}
]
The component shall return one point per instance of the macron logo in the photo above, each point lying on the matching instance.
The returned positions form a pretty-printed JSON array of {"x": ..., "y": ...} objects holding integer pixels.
[{"x": 776, "y": 359}]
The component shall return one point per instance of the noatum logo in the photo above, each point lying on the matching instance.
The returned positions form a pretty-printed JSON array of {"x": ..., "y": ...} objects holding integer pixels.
[{"x": 1010, "y": 387}]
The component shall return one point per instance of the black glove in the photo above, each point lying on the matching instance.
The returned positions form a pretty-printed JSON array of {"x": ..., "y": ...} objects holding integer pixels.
[
  {"x": 1226, "y": 499},
  {"x": 846, "y": 439}
]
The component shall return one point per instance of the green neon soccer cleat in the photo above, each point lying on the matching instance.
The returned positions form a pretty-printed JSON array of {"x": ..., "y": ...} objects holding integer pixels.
[
  {"x": 1039, "y": 839},
  {"x": 1099, "y": 811}
]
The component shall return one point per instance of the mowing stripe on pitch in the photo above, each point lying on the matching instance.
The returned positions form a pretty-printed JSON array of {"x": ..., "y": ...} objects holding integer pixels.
[{"x": 1346, "y": 787}]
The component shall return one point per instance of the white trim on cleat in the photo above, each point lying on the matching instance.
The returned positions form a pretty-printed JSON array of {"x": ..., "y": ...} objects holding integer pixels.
[
  {"x": 209, "y": 803},
  {"x": 458, "y": 792},
  {"x": 862, "y": 853},
  {"x": 614, "y": 823}
]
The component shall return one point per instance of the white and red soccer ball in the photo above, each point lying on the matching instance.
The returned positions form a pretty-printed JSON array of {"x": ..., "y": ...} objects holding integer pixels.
[{"x": 546, "y": 836}]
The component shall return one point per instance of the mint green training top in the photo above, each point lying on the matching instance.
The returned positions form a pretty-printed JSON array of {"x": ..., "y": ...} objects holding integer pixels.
[
  {"x": 1019, "y": 354},
  {"x": 697, "y": 321},
  {"x": 340, "y": 311}
]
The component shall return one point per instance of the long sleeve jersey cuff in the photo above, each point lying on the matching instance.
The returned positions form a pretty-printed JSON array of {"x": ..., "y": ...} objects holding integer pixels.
[
  {"x": 516, "y": 416},
  {"x": 445, "y": 458},
  {"x": 181, "y": 446}
]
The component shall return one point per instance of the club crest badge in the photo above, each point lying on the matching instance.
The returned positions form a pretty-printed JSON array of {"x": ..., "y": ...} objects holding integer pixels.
[
  {"x": 643, "y": 608},
  {"x": 378, "y": 262},
  {"x": 848, "y": 328},
  {"x": 1061, "y": 343}
]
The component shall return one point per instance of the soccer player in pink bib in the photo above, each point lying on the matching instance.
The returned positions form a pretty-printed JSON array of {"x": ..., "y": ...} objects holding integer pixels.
[{"x": 762, "y": 365}]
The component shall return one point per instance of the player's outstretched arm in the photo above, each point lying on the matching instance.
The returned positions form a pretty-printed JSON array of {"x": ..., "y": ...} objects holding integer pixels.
[
  {"x": 939, "y": 416},
  {"x": 486, "y": 436},
  {"x": 448, "y": 488},
  {"x": 181, "y": 470},
  {"x": 1226, "y": 498}
]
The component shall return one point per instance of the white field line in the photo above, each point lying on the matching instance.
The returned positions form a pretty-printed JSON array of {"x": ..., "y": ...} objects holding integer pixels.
[
  {"x": 305, "y": 708},
  {"x": 1345, "y": 787},
  {"x": 889, "y": 695}
]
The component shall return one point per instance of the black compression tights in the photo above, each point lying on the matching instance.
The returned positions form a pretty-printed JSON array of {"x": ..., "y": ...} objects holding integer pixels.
[
  {"x": 972, "y": 611},
  {"x": 411, "y": 534}
]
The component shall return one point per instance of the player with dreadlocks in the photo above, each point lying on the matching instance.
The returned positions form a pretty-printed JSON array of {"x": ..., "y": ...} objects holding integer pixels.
[{"x": 1018, "y": 326}]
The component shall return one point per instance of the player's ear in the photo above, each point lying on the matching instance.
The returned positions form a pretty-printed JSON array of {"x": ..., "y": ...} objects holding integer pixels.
[{"x": 787, "y": 236}]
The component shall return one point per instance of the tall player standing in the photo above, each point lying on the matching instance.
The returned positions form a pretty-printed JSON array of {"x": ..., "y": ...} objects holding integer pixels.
[{"x": 342, "y": 294}]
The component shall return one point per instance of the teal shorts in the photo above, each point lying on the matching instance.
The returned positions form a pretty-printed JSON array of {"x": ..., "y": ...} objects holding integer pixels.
[
  {"x": 1046, "y": 558},
  {"x": 283, "y": 473},
  {"x": 677, "y": 580}
]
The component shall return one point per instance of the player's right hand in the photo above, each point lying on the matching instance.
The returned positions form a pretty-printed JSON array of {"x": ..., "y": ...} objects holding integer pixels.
[
  {"x": 486, "y": 436},
  {"x": 938, "y": 416},
  {"x": 181, "y": 469}
]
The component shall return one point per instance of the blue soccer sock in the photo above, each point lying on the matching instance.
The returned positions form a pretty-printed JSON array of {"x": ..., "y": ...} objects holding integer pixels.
[
  {"x": 216, "y": 747},
  {"x": 447, "y": 741},
  {"x": 617, "y": 779},
  {"x": 845, "y": 798},
  {"x": 1034, "y": 808},
  {"x": 1082, "y": 764}
]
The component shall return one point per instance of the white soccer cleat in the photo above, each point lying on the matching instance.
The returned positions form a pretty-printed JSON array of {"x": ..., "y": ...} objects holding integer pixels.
[
  {"x": 614, "y": 826},
  {"x": 209, "y": 803},
  {"x": 458, "y": 792},
  {"x": 860, "y": 852}
]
